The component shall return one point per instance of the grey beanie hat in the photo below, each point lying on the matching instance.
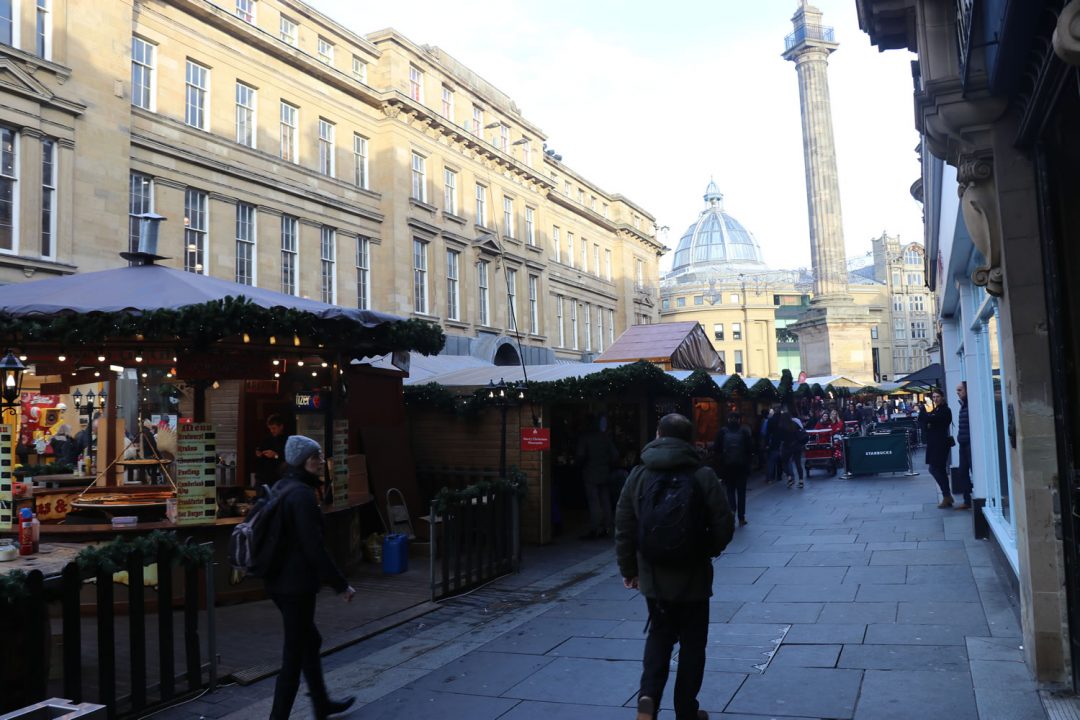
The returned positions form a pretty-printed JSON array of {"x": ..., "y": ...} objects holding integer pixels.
[{"x": 299, "y": 448}]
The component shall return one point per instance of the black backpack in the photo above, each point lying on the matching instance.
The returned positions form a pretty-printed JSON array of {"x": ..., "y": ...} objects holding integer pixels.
[
  {"x": 672, "y": 524},
  {"x": 734, "y": 449}
]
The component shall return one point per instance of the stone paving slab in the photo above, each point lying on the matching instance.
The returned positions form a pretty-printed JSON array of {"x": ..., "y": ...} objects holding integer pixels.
[
  {"x": 538, "y": 636},
  {"x": 812, "y": 593},
  {"x": 895, "y": 634},
  {"x": 812, "y": 692},
  {"x": 581, "y": 680},
  {"x": 919, "y": 592},
  {"x": 482, "y": 673},
  {"x": 916, "y": 695},
  {"x": 820, "y": 656},
  {"x": 825, "y": 633},
  {"x": 904, "y": 657}
]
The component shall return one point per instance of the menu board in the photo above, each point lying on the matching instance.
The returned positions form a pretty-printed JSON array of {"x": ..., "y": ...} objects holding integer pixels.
[
  {"x": 340, "y": 479},
  {"x": 7, "y": 493},
  {"x": 196, "y": 474}
]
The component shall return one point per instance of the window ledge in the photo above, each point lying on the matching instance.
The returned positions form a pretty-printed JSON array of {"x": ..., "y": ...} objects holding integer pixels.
[
  {"x": 535, "y": 248},
  {"x": 31, "y": 265},
  {"x": 453, "y": 218},
  {"x": 425, "y": 316},
  {"x": 459, "y": 324},
  {"x": 423, "y": 205}
]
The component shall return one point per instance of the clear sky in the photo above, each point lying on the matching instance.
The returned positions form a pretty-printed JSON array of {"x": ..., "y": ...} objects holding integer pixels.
[{"x": 651, "y": 99}]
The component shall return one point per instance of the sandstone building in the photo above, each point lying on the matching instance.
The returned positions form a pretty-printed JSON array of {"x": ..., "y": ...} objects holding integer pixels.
[
  {"x": 719, "y": 278},
  {"x": 292, "y": 153}
]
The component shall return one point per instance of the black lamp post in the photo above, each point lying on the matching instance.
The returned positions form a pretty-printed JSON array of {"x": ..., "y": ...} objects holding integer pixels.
[
  {"x": 88, "y": 400},
  {"x": 11, "y": 370},
  {"x": 504, "y": 394}
]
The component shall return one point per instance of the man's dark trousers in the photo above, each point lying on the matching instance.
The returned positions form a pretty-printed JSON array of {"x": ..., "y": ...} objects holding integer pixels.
[
  {"x": 686, "y": 623},
  {"x": 734, "y": 479},
  {"x": 965, "y": 471}
]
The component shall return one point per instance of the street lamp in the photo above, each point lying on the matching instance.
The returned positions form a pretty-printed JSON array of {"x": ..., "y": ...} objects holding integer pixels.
[
  {"x": 504, "y": 394},
  {"x": 11, "y": 369},
  {"x": 88, "y": 400}
]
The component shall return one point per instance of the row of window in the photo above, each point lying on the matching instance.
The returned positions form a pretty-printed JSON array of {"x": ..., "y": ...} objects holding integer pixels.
[
  {"x": 566, "y": 311},
  {"x": 738, "y": 361},
  {"x": 715, "y": 299},
  {"x": 10, "y": 26},
  {"x": 718, "y": 331},
  {"x": 906, "y": 359},
  {"x": 196, "y": 235},
  {"x": 10, "y": 171},
  {"x": 567, "y": 256},
  {"x": 915, "y": 303},
  {"x": 196, "y": 242},
  {"x": 900, "y": 329},
  {"x": 197, "y": 114},
  {"x": 500, "y": 138}
]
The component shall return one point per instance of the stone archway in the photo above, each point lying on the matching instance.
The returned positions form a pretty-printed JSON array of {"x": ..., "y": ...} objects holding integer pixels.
[{"x": 507, "y": 354}]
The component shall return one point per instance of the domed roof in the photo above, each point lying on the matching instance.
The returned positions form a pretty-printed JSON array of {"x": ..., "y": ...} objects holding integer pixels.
[{"x": 716, "y": 239}]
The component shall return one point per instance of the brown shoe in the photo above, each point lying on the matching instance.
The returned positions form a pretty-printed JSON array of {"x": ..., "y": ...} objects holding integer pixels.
[
  {"x": 946, "y": 502},
  {"x": 646, "y": 708},
  {"x": 962, "y": 506}
]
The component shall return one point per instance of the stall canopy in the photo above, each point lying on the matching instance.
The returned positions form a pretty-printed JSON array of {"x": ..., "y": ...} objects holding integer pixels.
[
  {"x": 930, "y": 376},
  {"x": 672, "y": 346},
  {"x": 159, "y": 302},
  {"x": 144, "y": 288}
]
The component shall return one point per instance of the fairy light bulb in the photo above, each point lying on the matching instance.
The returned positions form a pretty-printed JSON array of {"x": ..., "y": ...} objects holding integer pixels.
[
  {"x": 273, "y": 340},
  {"x": 247, "y": 338},
  {"x": 277, "y": 362},
  {"x": 61, "y": 358},
  {"x": 101, "y": 358}
]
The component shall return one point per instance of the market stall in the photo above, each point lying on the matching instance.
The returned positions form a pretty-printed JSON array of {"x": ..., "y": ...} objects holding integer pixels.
[{"x": 159, "y": 371}]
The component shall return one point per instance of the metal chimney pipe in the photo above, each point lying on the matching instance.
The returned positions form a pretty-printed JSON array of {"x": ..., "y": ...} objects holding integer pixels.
[{"x": 149, "y": 227}]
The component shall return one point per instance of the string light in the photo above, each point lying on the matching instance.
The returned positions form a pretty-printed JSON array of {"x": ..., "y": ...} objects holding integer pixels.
[
  {"x": 101, "y": 357},
  {"x": 138, "y": 358},
  {"x": 247, "y": 338},
  {"x": 277, "y": 362},
  {"x": 273, "y": 340},
  {"x": 299, "y": 363},
  {"x": 61, "y": 358},
  {"x": 296, "y": 340}
]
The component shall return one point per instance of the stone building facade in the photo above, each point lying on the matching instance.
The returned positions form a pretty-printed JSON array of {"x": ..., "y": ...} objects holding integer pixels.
[
  {"x": 719, "y": 278},
  {"x": 291, "y": 153},
  {"x": 997, "y": 105}
]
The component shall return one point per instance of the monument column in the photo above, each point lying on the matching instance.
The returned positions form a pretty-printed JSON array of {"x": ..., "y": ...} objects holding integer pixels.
[{"x": 834, "y": 334}]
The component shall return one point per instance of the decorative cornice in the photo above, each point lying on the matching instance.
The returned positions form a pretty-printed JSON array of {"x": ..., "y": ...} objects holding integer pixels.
[
  {"x": 1066, "y": 37},
  {"x": 979, "y": 206}
]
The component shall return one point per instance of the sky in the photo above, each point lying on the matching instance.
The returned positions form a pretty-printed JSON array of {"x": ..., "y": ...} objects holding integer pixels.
[{"x": 651, "y": 100}]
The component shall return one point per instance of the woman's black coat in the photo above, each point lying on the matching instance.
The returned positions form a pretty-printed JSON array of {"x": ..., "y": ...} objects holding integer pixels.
[{"x": 936, "y": 425}]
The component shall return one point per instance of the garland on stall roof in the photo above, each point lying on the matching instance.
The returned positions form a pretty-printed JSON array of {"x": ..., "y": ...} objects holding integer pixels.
[
  {"x": 610, "y": 382},
  {"x": 113, "y": 556},
  {"x": 201, "y": 325},
  {"x": 515, "y": 482}
]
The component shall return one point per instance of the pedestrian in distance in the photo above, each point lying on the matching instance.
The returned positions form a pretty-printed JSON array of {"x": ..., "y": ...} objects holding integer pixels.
[
  {"x": 299, "y": 566},
  {"x": 939, "y": 442},
  {"x": 961, "y": 480},
  {"x": 731, "y": 453},
  {"x": 595, "y": 456},
  {"x": 774, "y": 443},
  {"x": 790, "y": 437},
  {"x": 270, "y": 453},
  {"x": 672, "y": 519}
]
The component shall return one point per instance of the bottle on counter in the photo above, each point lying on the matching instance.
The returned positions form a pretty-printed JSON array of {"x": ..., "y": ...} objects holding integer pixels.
[
  {"x": 26, "y": 532},
  {"x": 35, "y": 529}
]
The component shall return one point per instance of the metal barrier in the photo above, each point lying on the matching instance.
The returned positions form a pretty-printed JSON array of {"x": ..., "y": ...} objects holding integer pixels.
[
  {"x": 474, "y": 541},
  {"x": 67, "y": 588}
]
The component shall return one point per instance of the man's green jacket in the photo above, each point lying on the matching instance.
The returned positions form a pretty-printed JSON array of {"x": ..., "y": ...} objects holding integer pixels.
[{"x": 687, "y": 583}]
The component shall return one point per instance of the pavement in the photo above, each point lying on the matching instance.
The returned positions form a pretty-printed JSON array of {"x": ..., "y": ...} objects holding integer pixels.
[{"x": 845, "y": 599}]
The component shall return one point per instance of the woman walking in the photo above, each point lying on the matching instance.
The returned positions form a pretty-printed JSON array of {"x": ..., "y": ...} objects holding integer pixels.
[
  {"x": 299, "y": 567},
  {"x": 936, "y": 424}
]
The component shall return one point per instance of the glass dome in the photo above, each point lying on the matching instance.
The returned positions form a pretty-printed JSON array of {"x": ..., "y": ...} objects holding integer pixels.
[{"x": 716, "y": 239}]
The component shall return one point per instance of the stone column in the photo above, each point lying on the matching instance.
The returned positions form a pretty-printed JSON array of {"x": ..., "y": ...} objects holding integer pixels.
[{"x": 809, "y": 48}]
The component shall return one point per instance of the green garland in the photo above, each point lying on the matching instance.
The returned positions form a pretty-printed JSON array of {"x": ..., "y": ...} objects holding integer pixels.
[
  {"x": 13, "y": 588},
  {"x": 29, "y": 471},
  {"x": 516, "y": 482},
  {"x": 610, "y": 382},
  {"x": 200, "y": 326},
  {"x": 113, "y": 556}
]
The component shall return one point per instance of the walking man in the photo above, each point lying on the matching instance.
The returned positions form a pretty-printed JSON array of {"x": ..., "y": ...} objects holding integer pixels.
[
  {"x": 962, "y": 481},
  {"x": 733, "y": 449},
  {"x": 595, "y": 454},
  {"x": 677, "y": 592}
]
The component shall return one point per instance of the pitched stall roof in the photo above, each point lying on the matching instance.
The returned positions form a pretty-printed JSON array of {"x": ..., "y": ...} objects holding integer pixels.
[{"x": 682, "y": 345}]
